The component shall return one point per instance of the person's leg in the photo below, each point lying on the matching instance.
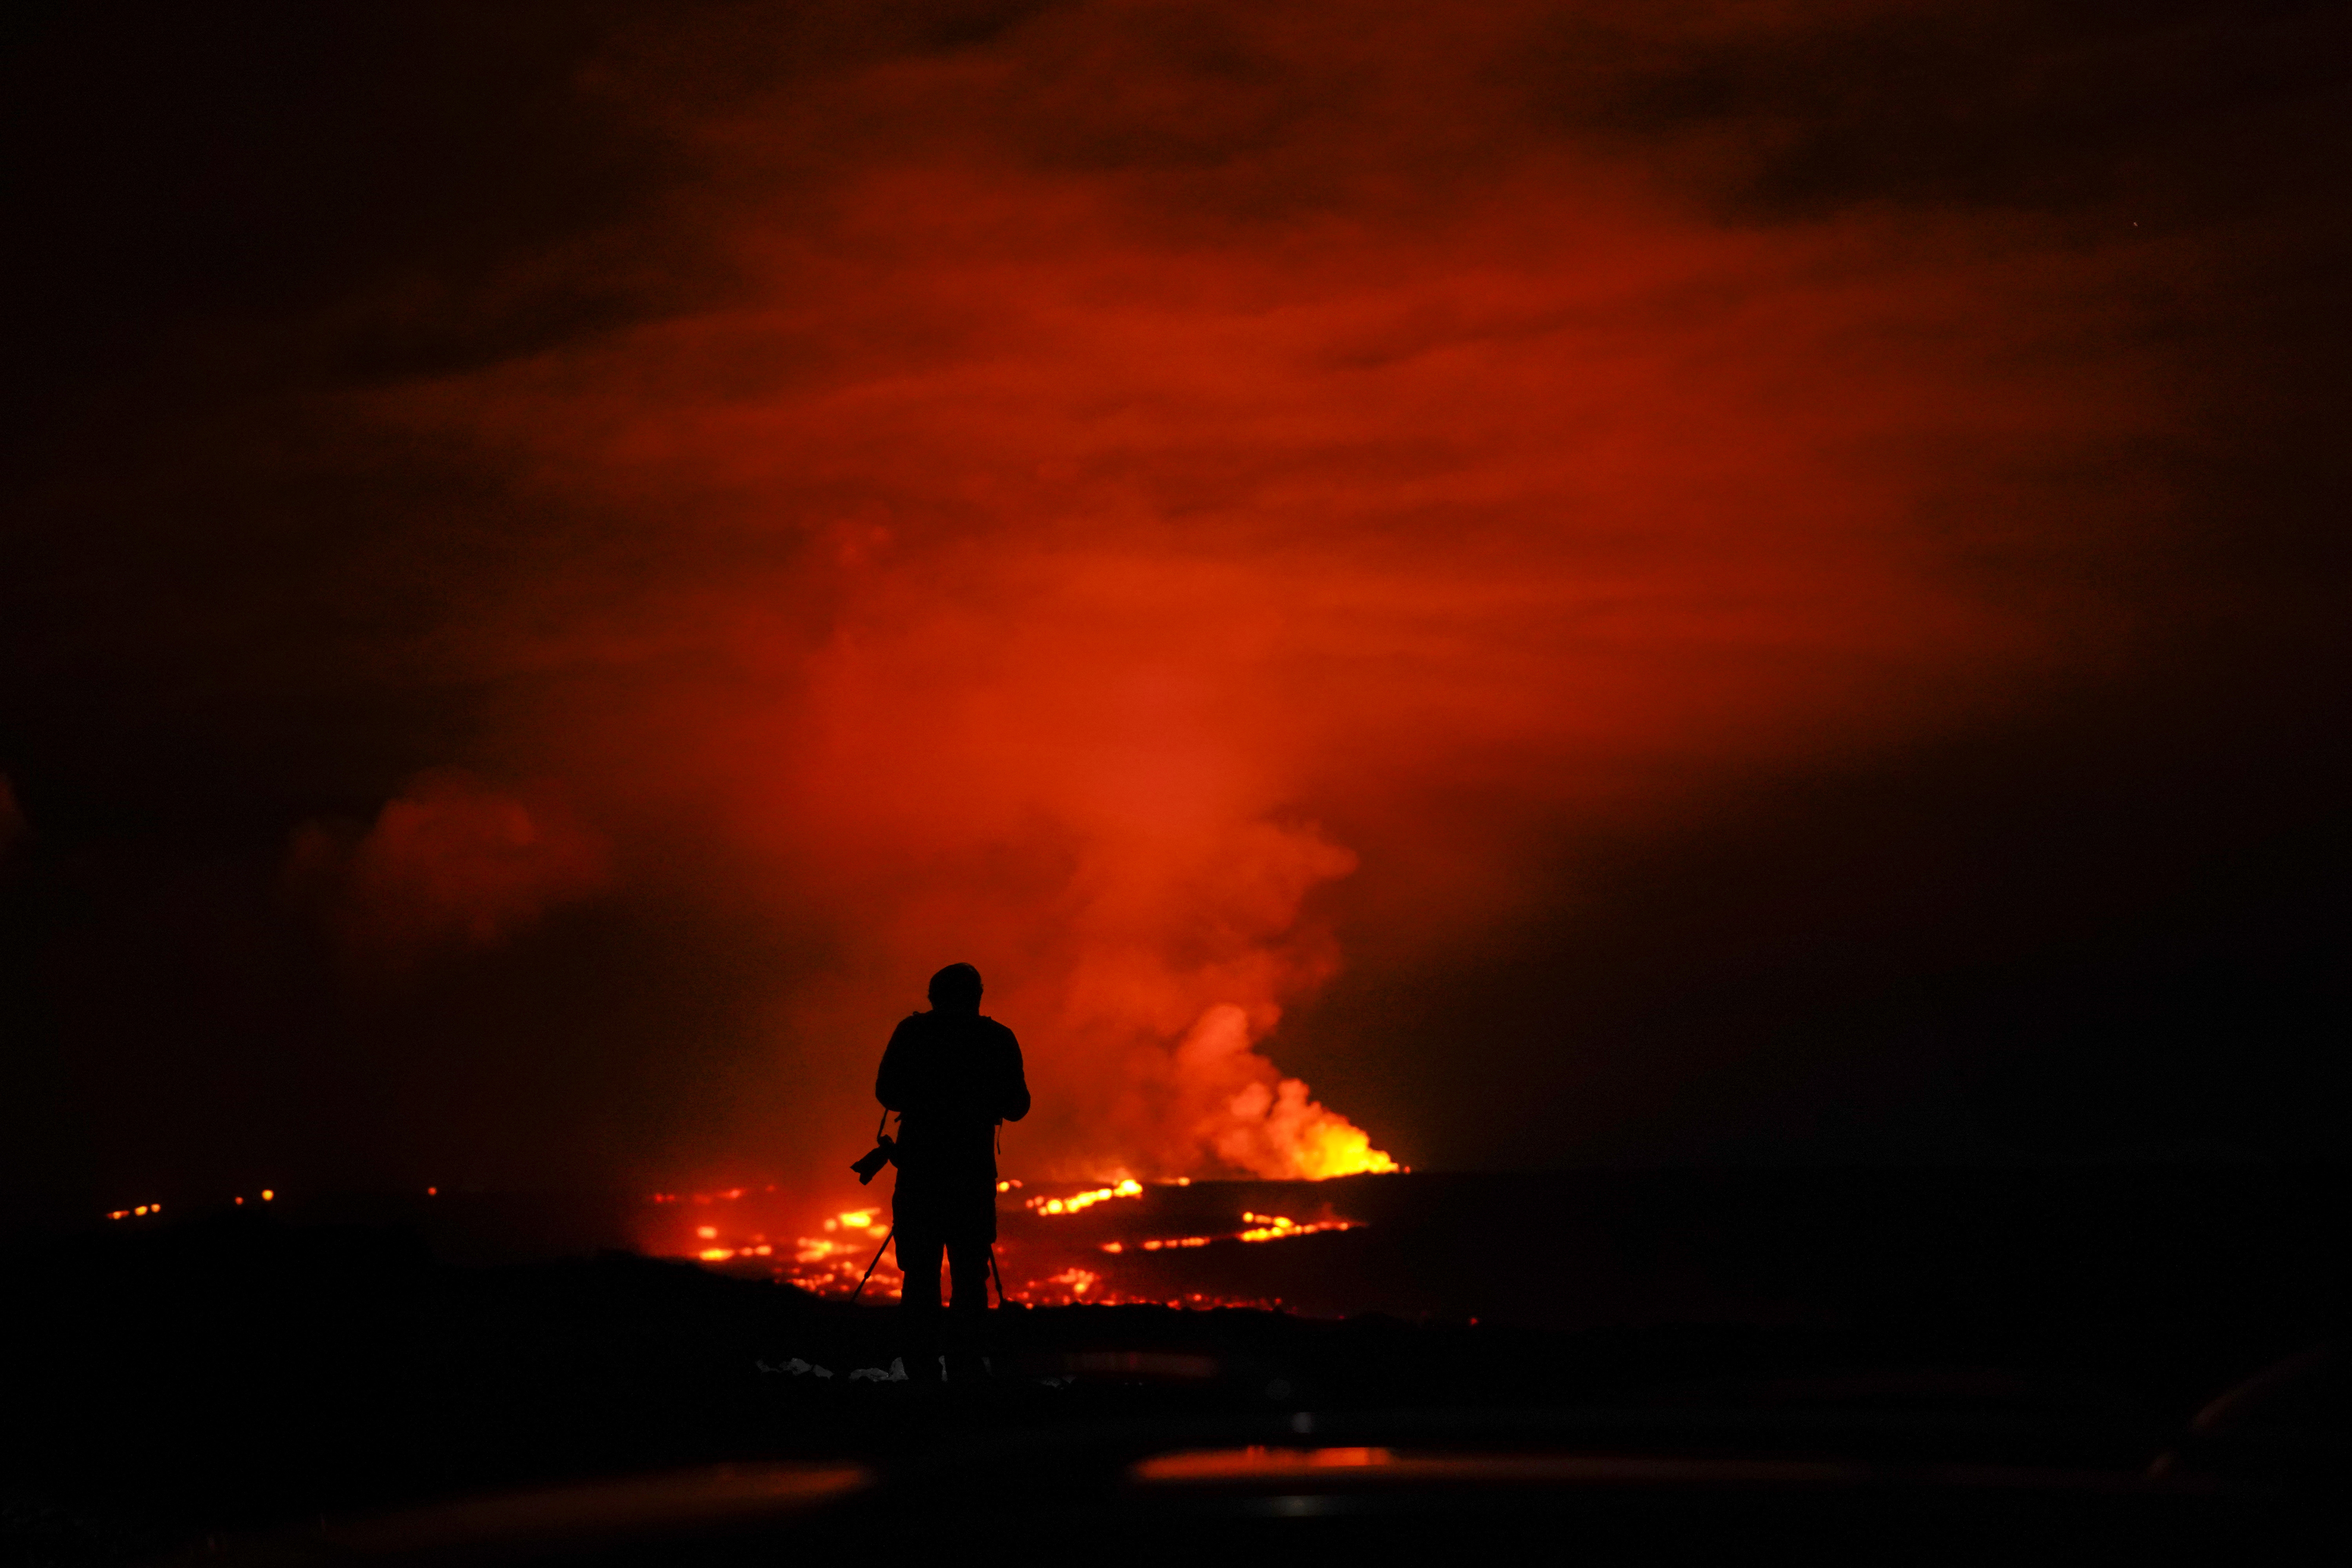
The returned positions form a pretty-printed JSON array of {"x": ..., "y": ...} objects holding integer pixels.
[
  {"x": 918, "y": 1303},
  {"x": 968, "y": 1276},
  {"x": 968, "y": 1309}
]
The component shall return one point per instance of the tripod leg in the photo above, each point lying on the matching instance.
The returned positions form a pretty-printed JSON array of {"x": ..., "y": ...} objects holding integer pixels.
[{"x": 877, "y": 1257}]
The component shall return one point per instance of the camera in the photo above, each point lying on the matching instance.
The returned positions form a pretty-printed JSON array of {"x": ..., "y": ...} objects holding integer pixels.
[{"x": 871, "y": 1165}]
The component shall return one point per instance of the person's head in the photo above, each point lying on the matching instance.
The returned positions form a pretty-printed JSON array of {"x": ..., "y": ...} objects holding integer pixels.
[{"x": 956, "y": 989}]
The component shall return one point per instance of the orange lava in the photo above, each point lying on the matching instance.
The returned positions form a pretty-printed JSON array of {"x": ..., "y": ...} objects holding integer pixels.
[
  {"x": 1128, "y": 1188},
  {"x": 829, "y": 1255}
]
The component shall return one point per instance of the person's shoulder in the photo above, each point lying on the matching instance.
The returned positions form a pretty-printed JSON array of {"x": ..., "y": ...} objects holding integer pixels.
[{"x": 996, "y": 1031}]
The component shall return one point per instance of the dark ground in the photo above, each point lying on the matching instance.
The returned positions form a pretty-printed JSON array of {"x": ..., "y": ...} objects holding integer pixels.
[{"x": 168, "y": 1384}]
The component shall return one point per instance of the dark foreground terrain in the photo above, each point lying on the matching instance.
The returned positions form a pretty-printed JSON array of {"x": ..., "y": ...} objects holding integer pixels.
[{"x": 1883, "y": 1366}]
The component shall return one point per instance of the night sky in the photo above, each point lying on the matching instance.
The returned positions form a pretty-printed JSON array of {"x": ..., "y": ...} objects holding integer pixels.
[{"x": 1593, "y": 583}]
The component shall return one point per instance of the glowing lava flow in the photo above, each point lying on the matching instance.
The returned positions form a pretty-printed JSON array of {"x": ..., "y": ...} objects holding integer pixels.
[
  {"x": 1274, "y": 1228},
  {"x": 1263, "y": 1227},
  {"x": 829, "y": 1264},
  {"x": 1159, "y": 1244},
  {"x": 1049, "y": 1258},
  {"x": 1128, "y": 1188},
  {"x": 832, "y": 1264},
  {"x": 1074, "y": 1282}
]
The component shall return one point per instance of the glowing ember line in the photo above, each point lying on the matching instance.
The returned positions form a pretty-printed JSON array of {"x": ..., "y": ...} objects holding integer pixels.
[
  {"x": 1130, "y": 1188},
  {"x": 1263, "y": 1227},
  {"x": 1275, "y": 1227},
  {"x": 1076, "y": 1281}
]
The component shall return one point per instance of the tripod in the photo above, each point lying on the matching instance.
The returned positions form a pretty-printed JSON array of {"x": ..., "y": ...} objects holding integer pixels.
[
  {"x": 994, "y": 1273},
  {"x": 877, "y": 1258}
]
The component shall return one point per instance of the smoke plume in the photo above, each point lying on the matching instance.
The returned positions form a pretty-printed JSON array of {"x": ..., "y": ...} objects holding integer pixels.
[
  {"x": 1310, "y": 541},
  {"x": 1085, "y": 502}
]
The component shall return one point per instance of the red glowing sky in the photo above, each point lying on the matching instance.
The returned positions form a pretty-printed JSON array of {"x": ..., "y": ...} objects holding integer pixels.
[{"x": 1177, "y": 505}]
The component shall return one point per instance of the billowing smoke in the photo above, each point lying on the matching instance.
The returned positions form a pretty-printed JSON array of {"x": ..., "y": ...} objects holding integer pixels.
[
  {"x": 449, "y": 863},
  {"x": 1099, "y": 525},
  {"x": 1253, "y": 1119},
  {"x": 1224, "y": 516}
]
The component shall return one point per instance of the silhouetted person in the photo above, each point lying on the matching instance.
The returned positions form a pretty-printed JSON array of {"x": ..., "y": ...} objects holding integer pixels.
[{"x": 952, "y": 1076}]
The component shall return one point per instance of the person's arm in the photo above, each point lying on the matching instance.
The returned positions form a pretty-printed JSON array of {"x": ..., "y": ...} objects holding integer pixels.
[{"x": 1013, "y": 1091}]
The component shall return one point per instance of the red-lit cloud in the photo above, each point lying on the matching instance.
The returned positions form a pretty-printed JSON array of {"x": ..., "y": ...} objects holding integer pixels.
[
  {"x": 450, "y": 863},
  {"x": 1159, "y": 462}
]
